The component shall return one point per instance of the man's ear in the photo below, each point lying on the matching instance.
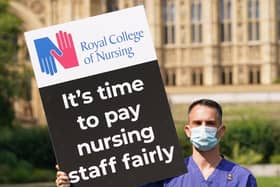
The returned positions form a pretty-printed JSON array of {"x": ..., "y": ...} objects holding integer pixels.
[
  {"x": 221, "y": 131},
  {"x": 187, "y": 130}
]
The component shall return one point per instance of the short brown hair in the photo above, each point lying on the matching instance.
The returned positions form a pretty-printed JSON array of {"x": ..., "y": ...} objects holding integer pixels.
[{"x": 209, "y": 103}]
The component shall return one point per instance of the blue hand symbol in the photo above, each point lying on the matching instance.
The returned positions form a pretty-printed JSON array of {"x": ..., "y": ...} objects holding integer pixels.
[{"x": 44, "y": 46}]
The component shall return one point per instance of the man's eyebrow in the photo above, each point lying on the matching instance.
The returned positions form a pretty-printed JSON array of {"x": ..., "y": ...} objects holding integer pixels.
[
  {"x": 197, "y": 121},
  {"x": 211, "y": 121},
  {"x": 207, "y": 121}
]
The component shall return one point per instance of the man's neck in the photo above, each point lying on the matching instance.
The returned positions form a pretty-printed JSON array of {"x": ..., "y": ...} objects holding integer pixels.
[{"x": 207, "y": 161}]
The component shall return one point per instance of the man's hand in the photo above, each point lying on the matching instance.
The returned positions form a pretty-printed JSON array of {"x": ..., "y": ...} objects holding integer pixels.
[{"x": 62, "y": 180}]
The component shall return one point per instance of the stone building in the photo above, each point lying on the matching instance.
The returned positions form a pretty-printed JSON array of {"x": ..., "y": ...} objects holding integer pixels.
[{"x": 198, "y": 42}]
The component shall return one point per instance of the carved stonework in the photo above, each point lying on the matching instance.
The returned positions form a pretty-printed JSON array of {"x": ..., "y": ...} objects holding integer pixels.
[
  {"x": 196, "y": 56},
  {"x": 226, "y": 54},
  {"x": 170, "y": 57},
  {"x": 254, "y": 53},
  {"x": 37, "y": 7}
]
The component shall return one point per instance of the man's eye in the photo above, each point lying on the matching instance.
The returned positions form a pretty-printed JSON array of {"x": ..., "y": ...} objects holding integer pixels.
[{"x": 211, "y": 123}]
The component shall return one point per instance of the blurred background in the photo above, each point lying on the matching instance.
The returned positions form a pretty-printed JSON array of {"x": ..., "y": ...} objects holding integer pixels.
[{"x": 227, "y": 50}]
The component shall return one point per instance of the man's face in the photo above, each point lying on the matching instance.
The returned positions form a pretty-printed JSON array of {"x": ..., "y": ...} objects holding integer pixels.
[{"x": 204, "y": 115}]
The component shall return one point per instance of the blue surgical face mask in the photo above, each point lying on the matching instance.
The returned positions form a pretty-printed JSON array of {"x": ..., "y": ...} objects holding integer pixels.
[{"x": 204, "y": 137}]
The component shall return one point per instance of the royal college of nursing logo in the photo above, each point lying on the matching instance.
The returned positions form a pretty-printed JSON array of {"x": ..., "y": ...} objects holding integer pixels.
[{"x": 64, "y": 54}]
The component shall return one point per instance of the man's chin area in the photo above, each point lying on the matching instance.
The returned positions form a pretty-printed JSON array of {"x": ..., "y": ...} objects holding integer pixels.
[{"x": 204, "y": 151}]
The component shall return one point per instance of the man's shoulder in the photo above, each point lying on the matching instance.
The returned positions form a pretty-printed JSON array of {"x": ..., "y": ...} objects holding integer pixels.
[
  {"x": 235, "y": 168},
  {"x": 240, "y": 174},
  {"x": 188, "y": 160}
]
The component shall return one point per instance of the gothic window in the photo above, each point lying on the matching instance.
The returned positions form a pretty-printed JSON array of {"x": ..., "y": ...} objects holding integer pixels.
[
  {"x": 169, "y": 21},
  {"x": 197, "y": 76},
  {"x": 253, "y": 20},
  {"x": 174, "y": 79},
  {"x": 170, "y": 77},
  {"x": 226, "y": 75},
  {"x": 254, "y": 75},
  {"x": 193, "y": 78},
  {"x": 111, "y": 5},
  {"x": 225, "y": 20},
  {"x": 166, "y": 80},
  {"x": 251, "y": 76},
  {"x": 223, "y": 77},
  {"x": 196, "y": 21}
]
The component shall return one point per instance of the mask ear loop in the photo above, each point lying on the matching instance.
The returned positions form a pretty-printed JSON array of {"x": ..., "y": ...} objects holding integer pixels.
[{"x": 219, "y": 127}]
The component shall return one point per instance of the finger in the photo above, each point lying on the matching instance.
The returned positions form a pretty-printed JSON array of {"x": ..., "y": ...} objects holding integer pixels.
[
  {"x": 64, "y": 179},
  {"x": 57, "y": 167},
  {"x": 53, "y": 65},
  {"x": 56, "y": 55},
  {"x": 60, "y": 40},
  {"x": 66, "y": 40},
  {"x": 45, "y": 62},
  {"x": 65, "y": 185},
  {"x": 60, "y": 173},
  {"x": 61, "y": 183},
  {"x": 70, "y": 41},
  {"x": 50, "y": 66},
  {"x": 42, "y": 65},
  {"x": 54, "y": 48}
]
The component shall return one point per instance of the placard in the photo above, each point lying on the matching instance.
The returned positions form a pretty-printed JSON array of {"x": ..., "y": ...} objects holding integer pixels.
[{"x": 105, "y": 103}]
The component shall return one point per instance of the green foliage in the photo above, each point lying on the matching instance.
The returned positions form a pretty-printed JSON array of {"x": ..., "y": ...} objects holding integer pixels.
[
  {"x": 24, "y": 172},
  {"x": 268, "y": 181},
  {"x": 277, "y": 80},
  {"x": 275, "y": 159},
  {"x": 9, "y": 29},
  {"x": 6, "y": 111},
  {"x": 14, "y": 77},
  {"x": 39, "y": 175},
  {"x": 251, "y": 134},
  {"x": 3, "y": 5},
  {"x": 32, "y": 145},
  {"x": 21, "y": 172},
  {"x": 26, "y": 155},
  {"x": 184, "y": 141},
  {"x": 275, "y": 136},
  {"x": 4, "y": 170},
  {"x": 245, "y": 157},
  {"x": 8, "y": 158}
]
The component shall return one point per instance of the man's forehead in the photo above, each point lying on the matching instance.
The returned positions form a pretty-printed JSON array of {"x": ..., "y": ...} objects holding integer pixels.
[
  {"x": 200, "y": 107},
  {"x": 203, "y": 111}
]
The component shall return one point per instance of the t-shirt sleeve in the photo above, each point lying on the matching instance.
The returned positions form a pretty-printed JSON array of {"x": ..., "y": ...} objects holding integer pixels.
[{"x": 251, "y": 181}]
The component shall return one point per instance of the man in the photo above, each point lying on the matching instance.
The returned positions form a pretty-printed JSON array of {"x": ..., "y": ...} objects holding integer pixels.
[{"x": 206, "y": 167}]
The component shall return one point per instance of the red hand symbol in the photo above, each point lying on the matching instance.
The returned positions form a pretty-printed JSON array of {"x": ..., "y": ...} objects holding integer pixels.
[{"x": 68, "y": 57}]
